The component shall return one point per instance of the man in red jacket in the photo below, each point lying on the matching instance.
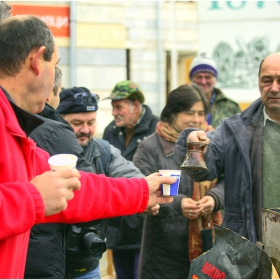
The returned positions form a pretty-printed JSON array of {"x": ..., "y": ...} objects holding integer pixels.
[{"x": 28, "y": 56}]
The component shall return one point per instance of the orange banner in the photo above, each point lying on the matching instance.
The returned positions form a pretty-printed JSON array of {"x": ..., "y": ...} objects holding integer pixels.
[{"x": 56, "y": 17}]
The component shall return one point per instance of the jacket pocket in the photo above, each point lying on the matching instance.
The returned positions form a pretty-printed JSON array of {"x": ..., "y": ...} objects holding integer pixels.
[{"x": 233, "y": 220}]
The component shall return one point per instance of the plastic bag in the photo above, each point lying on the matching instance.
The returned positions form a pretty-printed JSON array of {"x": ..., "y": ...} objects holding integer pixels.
[
  {"x": 232, "y": 257},
  {"x": 206, "y": 237}
]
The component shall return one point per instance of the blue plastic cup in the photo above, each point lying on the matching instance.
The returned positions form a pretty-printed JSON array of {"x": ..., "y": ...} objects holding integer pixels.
[{"x": 170, "y": 190}]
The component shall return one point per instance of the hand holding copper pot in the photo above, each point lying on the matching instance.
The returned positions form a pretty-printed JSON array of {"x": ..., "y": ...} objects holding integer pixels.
[
  {"x": 198, "y": 136},
  {"x": 197, "y": 143}
]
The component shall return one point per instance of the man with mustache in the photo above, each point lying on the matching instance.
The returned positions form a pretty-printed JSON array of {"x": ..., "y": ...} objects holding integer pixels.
[
  {"x": 245, "y": 147},
  {"x": 133, "y": 123},
  {"x": 78, "y": 106},
  {"x": 55, "y": 136}
]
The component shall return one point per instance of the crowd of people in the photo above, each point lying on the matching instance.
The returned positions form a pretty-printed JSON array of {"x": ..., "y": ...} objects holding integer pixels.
[
  {"x": 31, "y": 194},
  {"x": 59, "y": 224}
]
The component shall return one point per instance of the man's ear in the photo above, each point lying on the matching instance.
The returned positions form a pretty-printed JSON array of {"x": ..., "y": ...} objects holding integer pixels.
[
  {"x": 137, "y": 104},
  {"x": 36, "y": 59}
]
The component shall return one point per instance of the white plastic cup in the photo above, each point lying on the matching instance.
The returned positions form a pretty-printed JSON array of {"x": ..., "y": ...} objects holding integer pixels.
[
  {"x": 62, "y": 161},
  {"x": 170, "y": 190}
]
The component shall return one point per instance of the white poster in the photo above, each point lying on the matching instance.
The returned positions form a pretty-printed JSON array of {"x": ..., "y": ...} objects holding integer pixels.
[{"x": 238, "y": 35}]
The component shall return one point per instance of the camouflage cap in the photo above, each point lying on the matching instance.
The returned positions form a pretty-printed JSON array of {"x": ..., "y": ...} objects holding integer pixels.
[{"x": 127, "y": 90}]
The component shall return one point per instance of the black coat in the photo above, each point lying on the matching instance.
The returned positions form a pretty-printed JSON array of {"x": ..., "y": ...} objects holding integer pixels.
[{"x": 105, "y": 159}]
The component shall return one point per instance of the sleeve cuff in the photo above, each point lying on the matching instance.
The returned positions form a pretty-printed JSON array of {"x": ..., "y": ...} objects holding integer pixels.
[
  {"x": 145, "y": 197},
  {"x": 217, "y": 204}
]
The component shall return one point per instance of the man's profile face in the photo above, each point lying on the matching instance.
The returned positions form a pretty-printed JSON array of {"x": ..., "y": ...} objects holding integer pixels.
[
  {"x": 83, "y": 125},
  {"x": 54, "y": 99},
  {"x": 269, "y": 84},
  {"x": 124, "y": 112},
  {"x": 42, "y": 86},
  {"x": 206, "y": 81}
]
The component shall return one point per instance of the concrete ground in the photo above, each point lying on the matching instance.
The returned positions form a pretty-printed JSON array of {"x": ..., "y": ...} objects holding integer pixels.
[{"x": 106, "y": 266}]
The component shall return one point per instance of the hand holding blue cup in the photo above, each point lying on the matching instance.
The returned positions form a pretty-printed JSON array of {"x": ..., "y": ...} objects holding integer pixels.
[{"x": 170, "y": 190}]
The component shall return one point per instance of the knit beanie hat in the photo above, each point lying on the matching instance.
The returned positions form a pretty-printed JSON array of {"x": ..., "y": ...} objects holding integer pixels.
[
  {"x": 77, "y": 100},
  {"x": 203, "y": 64}
]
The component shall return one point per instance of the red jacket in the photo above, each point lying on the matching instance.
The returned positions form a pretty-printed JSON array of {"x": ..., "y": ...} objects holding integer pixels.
[{"x": 21, "y": 205}]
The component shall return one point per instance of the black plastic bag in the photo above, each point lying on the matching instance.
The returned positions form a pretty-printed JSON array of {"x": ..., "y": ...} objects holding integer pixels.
[
  {"x": 206, "y": 238},
  {"x": 232, "y": 257}
]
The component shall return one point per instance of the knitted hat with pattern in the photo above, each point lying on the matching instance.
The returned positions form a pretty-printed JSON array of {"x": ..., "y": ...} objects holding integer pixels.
[{"x": 203, "y": 64}]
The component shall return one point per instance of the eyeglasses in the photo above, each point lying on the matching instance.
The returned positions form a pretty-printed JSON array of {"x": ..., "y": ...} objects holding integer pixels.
[{"x": 86, "y": 97}]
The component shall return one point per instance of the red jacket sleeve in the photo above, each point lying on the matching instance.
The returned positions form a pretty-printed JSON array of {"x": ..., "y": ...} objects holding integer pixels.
[{"x": 103, "y": 197}]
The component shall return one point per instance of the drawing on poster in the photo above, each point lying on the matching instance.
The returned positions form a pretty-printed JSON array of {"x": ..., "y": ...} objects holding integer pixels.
[{"x": 240, "y": 68}]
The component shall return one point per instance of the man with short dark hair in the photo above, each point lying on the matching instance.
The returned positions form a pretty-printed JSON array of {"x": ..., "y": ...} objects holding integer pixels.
[
  {"x": 46, "y": 249},
  {"x": 134, "y": 122}
]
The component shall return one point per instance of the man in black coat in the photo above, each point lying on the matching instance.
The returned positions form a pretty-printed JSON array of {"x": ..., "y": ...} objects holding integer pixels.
[
  {"x": 50, "y": 237},
  {"x": 79, "y": 107}
]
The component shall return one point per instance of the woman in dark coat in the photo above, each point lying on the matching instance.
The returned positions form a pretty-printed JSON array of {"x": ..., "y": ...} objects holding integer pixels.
[{"x": 172, "y": 238}]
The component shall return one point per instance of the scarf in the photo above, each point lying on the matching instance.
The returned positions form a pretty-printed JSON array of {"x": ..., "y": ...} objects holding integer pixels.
[
  {"x": 167, "y": 132},
  {"x": 171, "y": 134},
  {"x": 201, "y": 222}
]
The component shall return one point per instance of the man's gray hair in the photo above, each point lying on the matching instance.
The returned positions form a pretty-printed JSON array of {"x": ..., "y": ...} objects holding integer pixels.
[
  {"x": 57, "y": 80},
  {"x": 5, "y": 10}
]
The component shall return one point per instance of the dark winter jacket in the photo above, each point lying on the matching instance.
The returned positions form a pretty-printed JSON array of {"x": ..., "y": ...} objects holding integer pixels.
[
  {"x": 104, "y": 159},
  {"x": 126, "y": 232},
  {"x": 51, "y": 134},
  {"x": 115, "y": 135},
  {"x": 164, "y": 250},
  {"x": 46, "y": 251},
  {"x": 115, "y": 164},
  {"x": 236, "y": 150}
]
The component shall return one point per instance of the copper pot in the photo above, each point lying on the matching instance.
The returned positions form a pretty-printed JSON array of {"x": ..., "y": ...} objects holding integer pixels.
[{"x": 195, "y": 158}]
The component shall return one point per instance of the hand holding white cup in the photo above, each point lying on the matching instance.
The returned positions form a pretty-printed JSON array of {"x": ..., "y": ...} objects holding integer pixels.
[{"x": 62, "y": 161}]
